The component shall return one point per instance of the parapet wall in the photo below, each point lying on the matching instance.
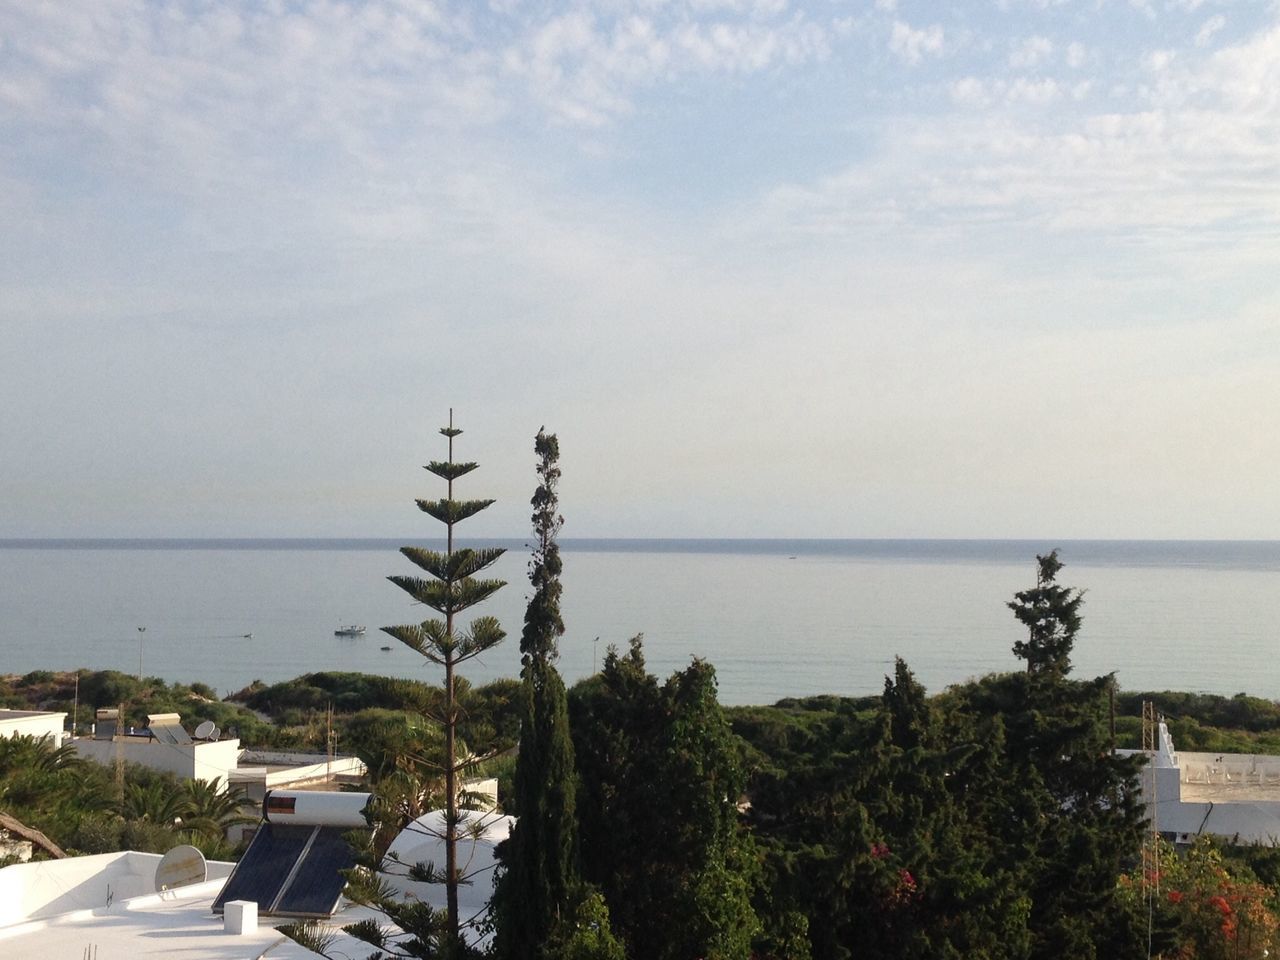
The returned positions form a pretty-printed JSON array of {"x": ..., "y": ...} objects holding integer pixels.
[{"x": 33, "y": 891}]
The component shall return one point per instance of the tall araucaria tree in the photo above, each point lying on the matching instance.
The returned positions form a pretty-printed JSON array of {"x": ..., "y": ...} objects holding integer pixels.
[
  {"x": 540, "y": 874},
  {"x": 450, "y": 588}
]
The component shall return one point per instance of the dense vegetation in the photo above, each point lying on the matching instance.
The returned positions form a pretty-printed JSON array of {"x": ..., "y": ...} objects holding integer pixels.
[
  {"x": 84, "y": 807},
  {"x": 991, "y": 820},
  {"x": 81, "y": 692},
  {"x": 877, "y": 811}
]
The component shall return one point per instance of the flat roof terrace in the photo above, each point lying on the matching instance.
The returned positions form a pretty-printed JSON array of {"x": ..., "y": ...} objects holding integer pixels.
[
  {"x": 1228, "y": 777},
  {"x": 179, "y": 926}
]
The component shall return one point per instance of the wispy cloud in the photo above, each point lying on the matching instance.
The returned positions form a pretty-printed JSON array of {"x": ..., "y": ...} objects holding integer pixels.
[
  {"x": 912, "y": 45},
  {"x": 1210, "y": 27},
  {"x": 878, "y": 227},
  {"x": 585, "y": 70},
  {"x": 1192, "y": 152},
  {"x": 1030, "y": 52}
]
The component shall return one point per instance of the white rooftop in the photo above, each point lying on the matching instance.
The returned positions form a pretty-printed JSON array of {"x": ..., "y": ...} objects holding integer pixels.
[
  {"x": 105, "y": 904},
  {"x": 177, "y": 923},
  {"x": 1231, "y": 795},
  {"x": 67, "y": 911}
]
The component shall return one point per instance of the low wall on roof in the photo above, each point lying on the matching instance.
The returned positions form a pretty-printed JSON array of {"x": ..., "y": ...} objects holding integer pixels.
[
  {"x": 1258, "y": 769},
  {"x": 32, "y": 891},
  {"x": 213, "y": 760}
]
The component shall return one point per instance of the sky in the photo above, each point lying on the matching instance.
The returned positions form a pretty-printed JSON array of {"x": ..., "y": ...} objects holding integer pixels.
[{"x": 769, "y": 268}]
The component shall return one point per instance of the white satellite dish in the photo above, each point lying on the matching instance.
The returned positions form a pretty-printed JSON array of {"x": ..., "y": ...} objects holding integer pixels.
[
  {"x": 206, "y": 730},
  {"x": 179, "y": 867}
]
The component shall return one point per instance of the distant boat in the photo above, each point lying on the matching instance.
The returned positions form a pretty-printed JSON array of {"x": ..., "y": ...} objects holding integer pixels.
[
  {"x": 349, "y": 631},
  {"x": 384, "y": 648}
]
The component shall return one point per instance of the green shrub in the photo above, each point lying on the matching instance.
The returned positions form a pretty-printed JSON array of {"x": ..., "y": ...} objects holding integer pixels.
[
  {"x": 147, "y": 837},
  {"x": 108, "y": 688},
  {"x": 96, "y": 834}
]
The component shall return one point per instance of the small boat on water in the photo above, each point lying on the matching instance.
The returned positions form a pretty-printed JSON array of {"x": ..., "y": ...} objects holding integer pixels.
[
  {"x": 349, "y": 631},
  {"x": 384, "y": 648}
]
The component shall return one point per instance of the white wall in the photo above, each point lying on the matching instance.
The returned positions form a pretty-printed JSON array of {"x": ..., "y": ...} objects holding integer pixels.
[
  {"x": 192, "y": 761},
  {"x": 49, "y": 887},
  {"x": 32, "y": 723}
]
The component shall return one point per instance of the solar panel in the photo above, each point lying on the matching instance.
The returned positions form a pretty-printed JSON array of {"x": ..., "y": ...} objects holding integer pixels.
[
  {"x": 317, "y": 885},
  {"x": 266, "y": 865},
  {"x": 167, "y": 728},
  {"x": 292, "y": 869},
  {"x": 169, "y": 734}
]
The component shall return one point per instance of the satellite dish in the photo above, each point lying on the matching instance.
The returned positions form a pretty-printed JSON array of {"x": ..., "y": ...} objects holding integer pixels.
[
  {"x": 206, "y": 730},
  {"x": 215, "y": 734},
  {"x": 179, "y": 867}
]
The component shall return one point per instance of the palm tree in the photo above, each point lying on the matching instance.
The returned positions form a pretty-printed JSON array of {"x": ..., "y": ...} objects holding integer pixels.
[
  {"x": 211, "y": 811},
  {"x": 159, "y": 801}
]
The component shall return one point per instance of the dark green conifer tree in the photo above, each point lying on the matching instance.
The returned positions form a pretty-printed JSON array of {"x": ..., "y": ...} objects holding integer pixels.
[
  {"x": 1073, "y": 822},
  {"x": 540, "y": 875},
  {"x": 661, "y": 776},
  {"x": 1051, "y": 613},
  {"x": 450, "y": 588},
  {"x": 953, "y": 898}
]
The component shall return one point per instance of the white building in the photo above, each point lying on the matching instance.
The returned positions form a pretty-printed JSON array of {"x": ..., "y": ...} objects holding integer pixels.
[
  {"x": 107, "y": 907},
  {"x": 1229, "y": 795},
  {"x": 422, "y": 842},
  {"x": 164, "y": 745},
  {"x": 108, "y": 904},
  {"x": 33, "y": 723},
  {"x": 198, "y": 760}
]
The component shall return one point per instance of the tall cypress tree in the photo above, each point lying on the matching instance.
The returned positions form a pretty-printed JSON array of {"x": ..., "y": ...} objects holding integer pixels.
[
  {"x": 540, "y": 859},
  {"x": 1051, "y": 613},
  {"x": 1077, "y": 823},
  {"x": 452, "y": 587}
]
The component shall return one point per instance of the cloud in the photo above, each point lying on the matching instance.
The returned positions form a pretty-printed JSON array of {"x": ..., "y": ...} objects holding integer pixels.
[
  {"x": 585, "y": 69},
  {"x": 973, "y": 92},
  {"x": 231, "y": 208},
  {"x": 1038, "y": 92},
  {"x": 969, "y": 92},
  {"x": 1030, "y": 52},
  {"x": 911, "y": 45},
  {"x": 1210, "y": 27},
  {"x": 1189, "y": 162}
]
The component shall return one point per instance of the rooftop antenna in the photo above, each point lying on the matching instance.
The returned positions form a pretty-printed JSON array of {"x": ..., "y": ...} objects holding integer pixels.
[{"x": 141, "y": 631}]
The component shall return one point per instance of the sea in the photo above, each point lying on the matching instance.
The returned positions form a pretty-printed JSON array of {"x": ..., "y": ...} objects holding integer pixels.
[{"x": 777, "y": 618}]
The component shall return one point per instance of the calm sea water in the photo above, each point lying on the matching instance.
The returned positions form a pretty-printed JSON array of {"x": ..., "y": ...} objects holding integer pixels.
[{"x": 777, "y": 618}]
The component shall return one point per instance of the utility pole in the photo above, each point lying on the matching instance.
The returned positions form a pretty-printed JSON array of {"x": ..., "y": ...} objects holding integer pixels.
[
  {"x": 141, "y": 632},
  {"x": 328, "y": 745}
]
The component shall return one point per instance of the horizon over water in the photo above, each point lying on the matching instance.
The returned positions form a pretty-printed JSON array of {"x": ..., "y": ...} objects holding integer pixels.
[{"x": 776, "y": 617}]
